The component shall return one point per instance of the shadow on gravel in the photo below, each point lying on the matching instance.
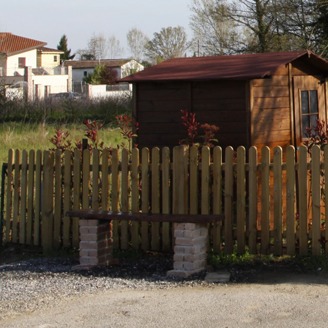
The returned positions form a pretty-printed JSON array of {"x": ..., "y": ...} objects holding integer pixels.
[{"x": 152, "y": 266}]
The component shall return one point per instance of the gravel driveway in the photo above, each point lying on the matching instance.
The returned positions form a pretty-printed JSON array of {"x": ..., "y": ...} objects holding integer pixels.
[{"x": 47, "y": 293}]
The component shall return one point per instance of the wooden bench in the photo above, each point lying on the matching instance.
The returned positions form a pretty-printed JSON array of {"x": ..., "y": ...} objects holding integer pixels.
[{"x": 190, "y": 237}]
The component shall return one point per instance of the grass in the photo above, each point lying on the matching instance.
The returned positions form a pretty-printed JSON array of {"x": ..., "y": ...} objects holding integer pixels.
[
  {"x": 306, "y": 264},
  {"x": 16, "y": 135}
]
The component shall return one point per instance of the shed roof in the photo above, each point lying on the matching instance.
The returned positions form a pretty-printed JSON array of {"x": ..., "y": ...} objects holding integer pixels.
[
  {"x": 238, "y": 67},
  {"x": 11, "y": 44}
]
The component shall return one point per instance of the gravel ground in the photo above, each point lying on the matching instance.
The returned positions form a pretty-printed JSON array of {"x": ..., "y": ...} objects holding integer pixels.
[
  {"x": 47, "y": 292},
  {"x": 30, "y": 285}
]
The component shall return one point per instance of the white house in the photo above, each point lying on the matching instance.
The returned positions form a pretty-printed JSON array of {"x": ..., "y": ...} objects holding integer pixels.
[
  {"x": 27, "y": 62},
  {"x": 83, "y": 68}
]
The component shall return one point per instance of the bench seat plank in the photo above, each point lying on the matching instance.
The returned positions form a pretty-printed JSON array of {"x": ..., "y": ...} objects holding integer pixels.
[{"x": 149, "y": 217}]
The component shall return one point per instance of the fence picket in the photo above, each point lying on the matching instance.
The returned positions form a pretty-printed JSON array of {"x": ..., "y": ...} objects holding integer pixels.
[
  {"x": 316, "y": 199},
  {"x": 290, "y": 200},
  {"x": 58, "y": 200},
  {"x": 155, "y": 197},
  {"x": 217, "y": 196},
  {"x": 104, "y": 179},
  {"x": 67, "y": 192},
  {"x": 135, "y": 240},
  {"x": 115, "y": 194},
  {"x": 277, "y": 199},
  {"x": 16, "y": 187},
  {"x": 95, "y": 179},
  {"x": 47, "y": 202},
  {"x": 30, "y": 197},
  {"x": 144, "y": 196},
  {"x": 124, "y": 242},
  {"x": 9, "y": 195},
  {"x": 23, "y": 199},
  {"x": 205, "y": 186},
  {"x": 302, "y": 200},
  {"x": 77, "y": 187},
  {"x": 265, "y": 200},
  {"x": 85, "y": 178},
  {"x": 253, "y": 200},
  {"x": 228, "y": 200},
  {"x": 166, "y": 196},
  {"x": 38, "y": 198},
  {"x": 241, "y": 199},
  {"x": 193, "y": 183},
  {"x": 180, "y": 180}
]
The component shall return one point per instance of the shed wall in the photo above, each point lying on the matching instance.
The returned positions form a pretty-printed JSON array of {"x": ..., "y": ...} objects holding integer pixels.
[
  {"x": 270, "y": 112},
  {"x": 222, "y": 103}
]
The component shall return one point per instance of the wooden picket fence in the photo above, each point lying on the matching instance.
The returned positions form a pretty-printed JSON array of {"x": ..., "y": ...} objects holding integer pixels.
[{"x": 273, "y": 201}]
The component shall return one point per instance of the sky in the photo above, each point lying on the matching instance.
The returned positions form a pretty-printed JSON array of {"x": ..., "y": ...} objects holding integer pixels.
[{"x": 79, "y": 20}]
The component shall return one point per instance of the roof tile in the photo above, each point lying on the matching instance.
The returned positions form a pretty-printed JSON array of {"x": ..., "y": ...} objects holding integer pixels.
[{"x": 11, "y": 43}]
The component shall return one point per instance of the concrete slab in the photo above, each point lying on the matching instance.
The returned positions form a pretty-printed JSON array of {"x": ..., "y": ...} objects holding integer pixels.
[{"x": 218, "y": 277}]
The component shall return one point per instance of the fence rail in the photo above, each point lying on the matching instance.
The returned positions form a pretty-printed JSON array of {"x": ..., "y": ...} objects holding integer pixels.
[{"x": 273, "y": 201}]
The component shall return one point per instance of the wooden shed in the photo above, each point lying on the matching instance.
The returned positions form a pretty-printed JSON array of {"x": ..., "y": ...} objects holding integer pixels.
[{"x": 255, "y": 99}]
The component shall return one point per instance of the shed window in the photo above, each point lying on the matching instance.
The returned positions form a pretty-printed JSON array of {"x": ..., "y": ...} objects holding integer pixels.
[{"x": 310, "y": 112}]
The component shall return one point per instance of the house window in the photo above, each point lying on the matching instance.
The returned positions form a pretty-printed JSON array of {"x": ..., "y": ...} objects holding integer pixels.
[
  {"x": 85, "y": 73},
  {"x": 310, "y": 111},
  {"x": 21, "y": 62},
  {"x": 55, "y": 59}
]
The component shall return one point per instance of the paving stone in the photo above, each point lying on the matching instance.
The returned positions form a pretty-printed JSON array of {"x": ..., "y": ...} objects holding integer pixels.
[{"x": 220, "y": 277}]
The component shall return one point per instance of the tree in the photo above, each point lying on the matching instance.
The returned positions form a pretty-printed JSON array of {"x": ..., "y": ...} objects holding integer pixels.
[
  {"x": 97, "y": 46},
  {"x": 260, "y": 25},
  {"x": 63, "y": 47},
  {"x": 96, "y": 49},
  {"x": 214, "y": 32},
  {"x": 323, "y": 27},
  {"x": 114, "y": 48},
  {"x": 257, "y": 17},
  {"x": 102, "y": 75},
  {"x": 137, "y": 41},
  {"x": 169, "y": 43}
]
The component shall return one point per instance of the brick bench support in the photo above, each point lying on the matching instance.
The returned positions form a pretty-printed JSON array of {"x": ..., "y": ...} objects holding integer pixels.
[
  {"x": 190, "y": 249},
  {"x": 190, "y": 238},
  {"x": 95, "y": 243}
]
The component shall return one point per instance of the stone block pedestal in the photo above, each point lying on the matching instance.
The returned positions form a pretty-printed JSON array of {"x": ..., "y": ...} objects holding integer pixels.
[
  {"x": 190, "y": 249},
  {"x": 95, "y": 243}
]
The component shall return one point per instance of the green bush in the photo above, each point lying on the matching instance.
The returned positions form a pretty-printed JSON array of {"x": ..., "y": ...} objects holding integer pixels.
[{"x": 65, "y": 110}]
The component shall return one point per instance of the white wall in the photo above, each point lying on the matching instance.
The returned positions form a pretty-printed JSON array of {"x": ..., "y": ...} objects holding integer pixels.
[
  {"x": 12, "y": 62},
  {"x": 131, "y": 67},
  {"x": 55, "y": 83},
  {"x": 99, "y": 91},
  {"x": 47, "y": 59}
]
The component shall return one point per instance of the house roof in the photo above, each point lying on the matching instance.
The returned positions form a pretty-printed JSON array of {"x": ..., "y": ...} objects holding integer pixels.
[
  {"x": 11, "y": 44},
  {"x": 241, "y": 67},
  {"x": 50, "y": 50},
  {"x": 94, "y": 63}
]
